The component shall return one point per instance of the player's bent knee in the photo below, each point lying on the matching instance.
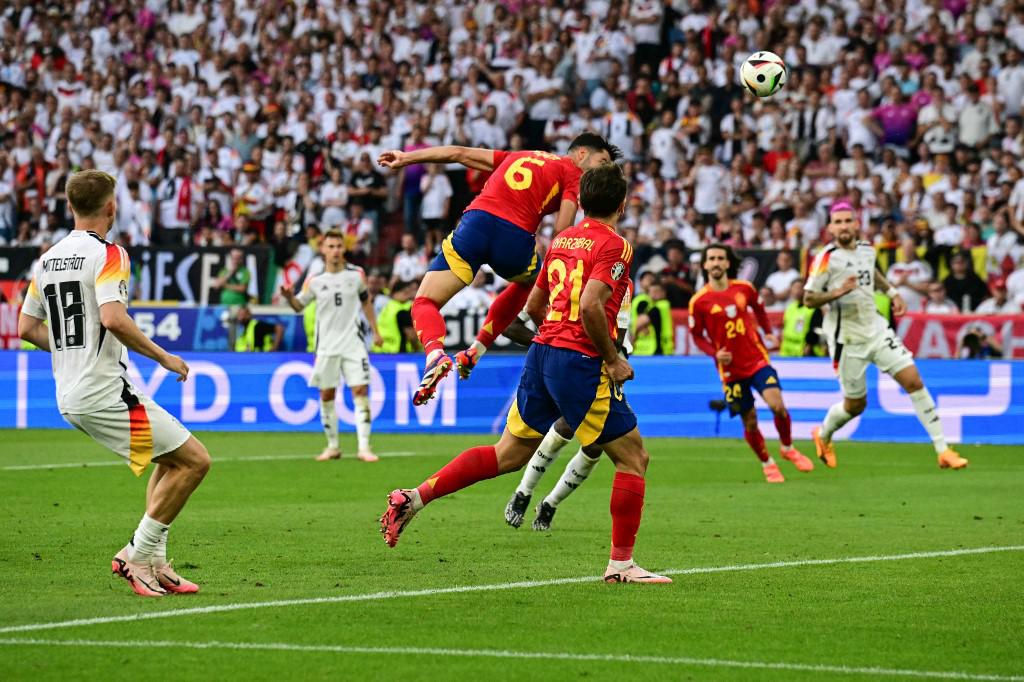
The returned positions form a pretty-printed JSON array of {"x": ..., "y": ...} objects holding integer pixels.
[
  {"x": 360, "y": 391},
  {"x": 593, "y": 451},
  {"x": 855, "y": 406}
]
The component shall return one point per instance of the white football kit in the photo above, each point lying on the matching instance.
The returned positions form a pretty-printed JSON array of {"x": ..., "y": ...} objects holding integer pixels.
[
  {"x": 340, "y": 331},
  {"x": 856, "y": 332},
  {"x": 70, "y": 283}
]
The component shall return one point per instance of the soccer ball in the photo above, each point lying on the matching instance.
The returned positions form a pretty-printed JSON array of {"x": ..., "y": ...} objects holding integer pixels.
[{"x": 763, "y": 73}]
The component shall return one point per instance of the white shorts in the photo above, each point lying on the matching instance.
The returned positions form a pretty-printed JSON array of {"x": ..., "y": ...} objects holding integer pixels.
[
  {"x": 139, "y": 430},
  {"x": 886, "y": 351},
  {"x": 327, "y": 369}
]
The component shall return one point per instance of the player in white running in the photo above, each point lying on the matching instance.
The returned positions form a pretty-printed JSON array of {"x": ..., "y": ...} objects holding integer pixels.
[
  {"x": 558, "y": 436},
  {"x": 76, "y": 309},
  {"x": 340, "y": 293},
  {"x": 844, "y": 278}
]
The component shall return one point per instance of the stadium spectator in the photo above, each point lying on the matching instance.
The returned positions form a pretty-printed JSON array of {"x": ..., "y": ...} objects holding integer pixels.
[
  {"x": 910, "y": 275},
  {"x": 256, "y": 336},
  {"x": 963, "y": 286},
  {"x": 780, "y": 281},
  {"x": 410, "y": 263},
  {"x": 998, "y": 303},
  {"x": 937, "y": 302}
]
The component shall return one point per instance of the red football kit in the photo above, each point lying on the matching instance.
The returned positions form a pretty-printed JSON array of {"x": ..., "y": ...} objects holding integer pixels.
[
  {"x": 725, "y": 317},
  {"x": 526, "y": 186},
  {"x": 590, "y": 250}
]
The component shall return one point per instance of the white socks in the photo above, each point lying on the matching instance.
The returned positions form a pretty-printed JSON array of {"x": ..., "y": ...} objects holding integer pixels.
[
  {"x": 834, "y": 420},
  {"x": 576, "y": 471},
  {"x": 480, "y": 349},
  {"x": 545, "y": 455},
  {"x": 329, "y": 419},
  {"x": 148, "y": 535},
  {"x": 417, "y": 501},
  {"x": 767, "y": 463},
  {"x": 362, "y": 403},
  {"x": 925, "y": 408}
]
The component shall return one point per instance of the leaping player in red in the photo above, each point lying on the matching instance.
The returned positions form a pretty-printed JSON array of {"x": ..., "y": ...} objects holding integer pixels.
[
  {"x": 497, "y": 229},
  {"x": 721, "y": 311}
]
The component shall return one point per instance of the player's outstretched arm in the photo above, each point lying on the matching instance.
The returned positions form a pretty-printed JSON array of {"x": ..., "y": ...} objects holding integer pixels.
[
  {"x": 35, "y": 331},
  {"x": 295, "y": 304},
  {"x": 470, "y": 157},
  {"x": 595, "y": 295},
  {"x": 816, "y": 299},
  {"x": 114, "y": 316}
]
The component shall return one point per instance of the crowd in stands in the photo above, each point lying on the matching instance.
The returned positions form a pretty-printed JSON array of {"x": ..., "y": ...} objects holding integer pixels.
[{"x": 246, "y": 121}]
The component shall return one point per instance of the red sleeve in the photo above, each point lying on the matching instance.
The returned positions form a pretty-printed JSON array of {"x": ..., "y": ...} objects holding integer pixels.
[
  {"x": 697, "y": 331},
  {"x": 757, "y": 305},
  {"x": 612, "y": 261},
  {"x": 499, "y": 156}
]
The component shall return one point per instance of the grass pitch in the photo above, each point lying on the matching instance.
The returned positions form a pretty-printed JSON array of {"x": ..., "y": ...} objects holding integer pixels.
[{"x": 284, "y": 530}]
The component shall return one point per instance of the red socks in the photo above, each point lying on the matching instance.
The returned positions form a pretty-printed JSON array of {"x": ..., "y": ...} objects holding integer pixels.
[
  {"x": 782, "y": 425},
  {"x": 627, "y": 506},
  {"x": 503, "y": 311},
  {"x": 475, "y": 464},
  {"x": 430, "y": 327},
  {"x": 756, "y": 442}
]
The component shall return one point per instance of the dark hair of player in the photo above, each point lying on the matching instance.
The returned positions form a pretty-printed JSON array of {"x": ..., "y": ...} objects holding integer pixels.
[
  {"x": 89, "y": 191},
  {"x": 597, "y": 143},
  {"x": 602, "y": 190},
  {"x": 333, "y": 234},
  {"x": 734, "y": 262}
]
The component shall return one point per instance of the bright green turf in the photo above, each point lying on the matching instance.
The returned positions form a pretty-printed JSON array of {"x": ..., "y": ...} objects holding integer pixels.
[{"x": 287, "y": 529}]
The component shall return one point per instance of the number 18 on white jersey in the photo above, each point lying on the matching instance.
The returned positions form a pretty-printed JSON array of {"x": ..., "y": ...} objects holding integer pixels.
[{"x": 70, "y": 283}]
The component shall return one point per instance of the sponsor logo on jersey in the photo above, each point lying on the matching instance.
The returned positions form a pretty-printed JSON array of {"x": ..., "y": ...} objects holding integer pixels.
[{"x": 716, "y": 309}]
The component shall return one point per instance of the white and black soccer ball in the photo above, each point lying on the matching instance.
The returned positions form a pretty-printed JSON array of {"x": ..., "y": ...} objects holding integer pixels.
[{"x": 763, "y": 73}]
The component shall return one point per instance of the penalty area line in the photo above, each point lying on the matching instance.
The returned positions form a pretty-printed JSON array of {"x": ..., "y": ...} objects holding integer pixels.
[
  {"x": 400, "y": 594},
  {"x": 682, "y": 661}
]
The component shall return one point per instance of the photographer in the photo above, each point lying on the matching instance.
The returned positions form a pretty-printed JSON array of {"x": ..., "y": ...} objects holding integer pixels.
[{"x": 977, "y": 345}]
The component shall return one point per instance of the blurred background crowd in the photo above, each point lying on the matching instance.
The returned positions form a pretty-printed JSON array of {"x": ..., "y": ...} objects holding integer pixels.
[{"x": 236, "y": 122}]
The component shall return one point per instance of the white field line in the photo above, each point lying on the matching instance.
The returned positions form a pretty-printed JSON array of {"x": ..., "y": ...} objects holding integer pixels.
[
  {"x": 216, "y": 460},
  {"x": 528, "y": 655},
  {"x": 399, "y": 594}
]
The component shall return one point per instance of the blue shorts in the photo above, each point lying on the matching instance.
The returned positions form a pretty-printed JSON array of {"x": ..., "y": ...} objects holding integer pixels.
[
  {"x": 739, "y": 394},
  {"x": 483, "y": 238},
  {"x": 558, "y": 382}
]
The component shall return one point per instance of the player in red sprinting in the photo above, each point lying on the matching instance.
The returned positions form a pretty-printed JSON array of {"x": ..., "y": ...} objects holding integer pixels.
[
  {"x": 723, "y": 327},
  {"x": 573, "y": 370},
  {"x": 498, "y": 229}
]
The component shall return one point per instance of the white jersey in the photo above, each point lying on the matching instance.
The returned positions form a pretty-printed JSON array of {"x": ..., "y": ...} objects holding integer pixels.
[
  {"x": 70, "y": 283},
  {"x": 339, "y": 298},
  {"x": 854, "y": 317}
]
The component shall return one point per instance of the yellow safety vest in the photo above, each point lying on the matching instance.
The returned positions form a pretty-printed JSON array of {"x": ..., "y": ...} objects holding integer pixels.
[
  {"x": 246, "y": 341},
  {"x": 645, "y": 343},
  {"x": 387, "y": 325},
  {"x": 796, "y": 323}
]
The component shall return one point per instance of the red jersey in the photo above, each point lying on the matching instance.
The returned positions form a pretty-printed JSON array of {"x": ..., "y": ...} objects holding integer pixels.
[
  {"x": 725, "y": 317},
  {"x": 590, "y": 250},
  {"x": 526, "y": 186}
]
